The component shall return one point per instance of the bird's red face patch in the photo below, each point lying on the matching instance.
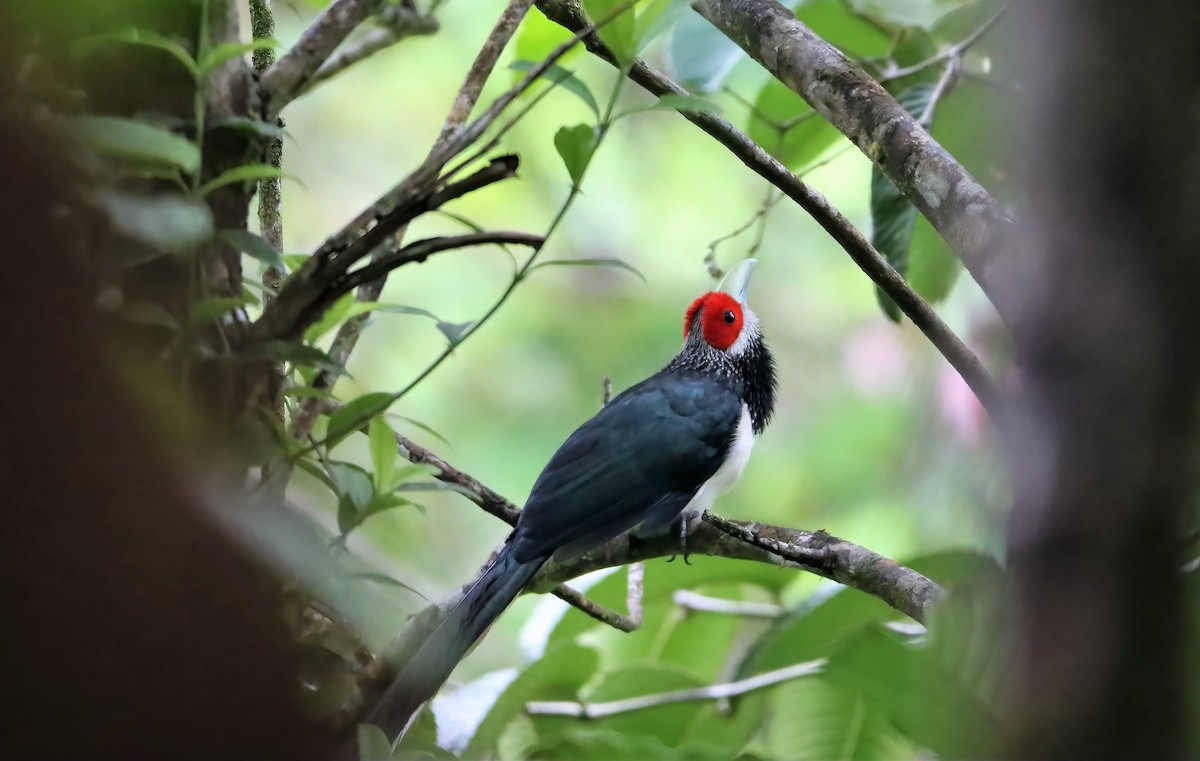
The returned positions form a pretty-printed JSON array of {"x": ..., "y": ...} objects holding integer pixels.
[{"x": 720, "y": 319}]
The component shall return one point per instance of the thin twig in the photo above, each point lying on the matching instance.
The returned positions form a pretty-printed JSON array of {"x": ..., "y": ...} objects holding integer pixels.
[
  {"x": 642, "y": 702},
  {"x": 869, "y": 260},
  {"x": 282, "y": 82},
  {"x": 953, "y": 51},
  {"x": 596, "y": 610},
  {"x": 689, "y": 600},
  {"x": 396, "y": 22}
]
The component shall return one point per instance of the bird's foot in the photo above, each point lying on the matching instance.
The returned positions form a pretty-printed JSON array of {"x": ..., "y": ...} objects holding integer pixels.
[{"x": 683, "y": 532}]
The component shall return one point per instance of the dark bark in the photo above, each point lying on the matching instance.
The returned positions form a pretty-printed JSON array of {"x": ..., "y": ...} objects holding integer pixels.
[{"x": 1107, "y": 343}]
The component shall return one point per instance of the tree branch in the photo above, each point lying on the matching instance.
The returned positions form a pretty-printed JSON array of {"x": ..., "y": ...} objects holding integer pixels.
[
  {"x": 283, "y": 82},
  {"x": 959, "y": 208},
  {"x": 566, "y": 13},
  {"x": 464, "y": 102},
  {"x": 711, "y": 692},
  {"x": 397, "y": 22}
]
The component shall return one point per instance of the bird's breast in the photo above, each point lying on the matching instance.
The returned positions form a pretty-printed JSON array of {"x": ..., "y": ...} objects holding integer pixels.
[{"x": 728, "y": 473}]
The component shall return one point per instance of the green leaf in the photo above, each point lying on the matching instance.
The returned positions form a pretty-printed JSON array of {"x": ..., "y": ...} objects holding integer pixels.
[
  {"x": 700, "y": 57},
  {"x": 564, "y": 78},
  {"x": 604, "y": 261},
  {"x": 576, "y": 145},
  {"x": 381, "y": 503},
  {"x": 373, "y": 744},
  {"x": 354, "y": 415},
  {"x": 424, "y": 427},
  {"x": 920, "y": 695},
  {"x": 135, "y": 36},
  {"x": 539, "y": 36},
  {"x": 223, "y": 52},
  {"x": 243, "y": 173},
  {"x": 788, "y": 128},
  {"x": 559, "y": 675},
  {"x": 298, "y": 354},
  {"x": 333, "y": 315},
  {"x": 134, "y": 140},
  {"x": 618, "y": 33},
  {"x": 932, "y": 267},
  {"x": 208, "y": 310},
  {"x": 307, "y": 392},
  {"x": 656, "y": 17},
  {"x": 839, "y": 23},
  {"x": 892, "y": 216},
  {"x": 163, "y": 222},
  {"x": 814, "y": 720},
  {"x": 454, "y": 331},
  {"x": 355, "y": 493},
  {"x": 253, "y": 245},
  {"x": 383, "y": 451},
  {"x": 294, "y": 262}
]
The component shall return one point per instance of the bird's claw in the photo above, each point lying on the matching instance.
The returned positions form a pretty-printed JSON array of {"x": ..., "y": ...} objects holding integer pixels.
[{"x": 683, "y": 532}]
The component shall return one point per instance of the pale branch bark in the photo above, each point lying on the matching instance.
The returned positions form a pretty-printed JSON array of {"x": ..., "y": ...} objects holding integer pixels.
[
  {"x": 348, "y": 332},
  {"x": 959, "y": 208},
  {"x": 567, "y": 13},
  {"x": 693, "y": 601},
  {"x": 282, "y": 82},
  {"x": 396, "y": 22},
  {"x": 720, "y": 691}
]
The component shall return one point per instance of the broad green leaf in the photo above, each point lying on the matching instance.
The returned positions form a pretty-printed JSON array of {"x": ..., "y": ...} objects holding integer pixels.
[
  {"x": 207, "y": 310},
  {"x": 576, "y": 145},
  {"x": 163, "y": 222},
  {"x": 354, "y": 415},
  {"x": 135, "y": 36},
  {"x": 333, "y": 315},
  {"x": 383, "y": 451},
  {"x": 619, "y": 32},
  {"x": 243, "y": 173},
  {"x": 657, "y": 17},
  {"x": 223, "y": 52},
  {"x": 700, "y": 57},
  {"x": 454, "y": 331},
  {"x": 932, "y": 267},
  {"x": 373, "y": 744},
  {"x": 318, "y": 472},
  {"x": 299, "y": 354},
  {"x": 911, "y": 13},
  {"x": 564, "y": 78},
  {"x": 134, "y": 140},
  {"x": 253, "y": 245},
  {"x": 538, "y": 37},
  {"x": 837, "y": 22},
  {"x": 596, "y": 262},
  {"x": 787, "y": 128},
  {"x": 354, "y": 491},
  {"x": 920, "y": 695},
  {"x": 813, "y": 720},
  {"x": 559, "y": 675},
  {"x": 892, "y": 216}
]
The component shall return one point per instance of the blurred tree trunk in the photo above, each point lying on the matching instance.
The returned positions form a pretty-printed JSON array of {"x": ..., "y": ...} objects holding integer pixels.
[{"x": 1107, "y": 342}]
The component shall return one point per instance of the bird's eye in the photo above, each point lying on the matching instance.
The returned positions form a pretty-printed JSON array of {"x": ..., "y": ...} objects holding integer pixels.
[{"x": 730, "y": 317}]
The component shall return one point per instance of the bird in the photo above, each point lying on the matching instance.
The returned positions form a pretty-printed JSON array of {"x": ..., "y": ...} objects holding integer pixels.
[{"x": 653, "y": 458}]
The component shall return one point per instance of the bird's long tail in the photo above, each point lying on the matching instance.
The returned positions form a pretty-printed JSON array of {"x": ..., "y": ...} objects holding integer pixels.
[{"x": 432, "y": 661}]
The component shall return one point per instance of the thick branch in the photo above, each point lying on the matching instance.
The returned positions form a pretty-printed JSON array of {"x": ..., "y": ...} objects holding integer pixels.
[
  {"x": 959, "y": 208},
  {"x": 870, "y": 261},
  {"x": 283, "y": 81}
]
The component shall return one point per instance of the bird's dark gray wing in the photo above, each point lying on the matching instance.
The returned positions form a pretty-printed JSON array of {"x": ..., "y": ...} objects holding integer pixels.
[{"x": 652, "y": 446}]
